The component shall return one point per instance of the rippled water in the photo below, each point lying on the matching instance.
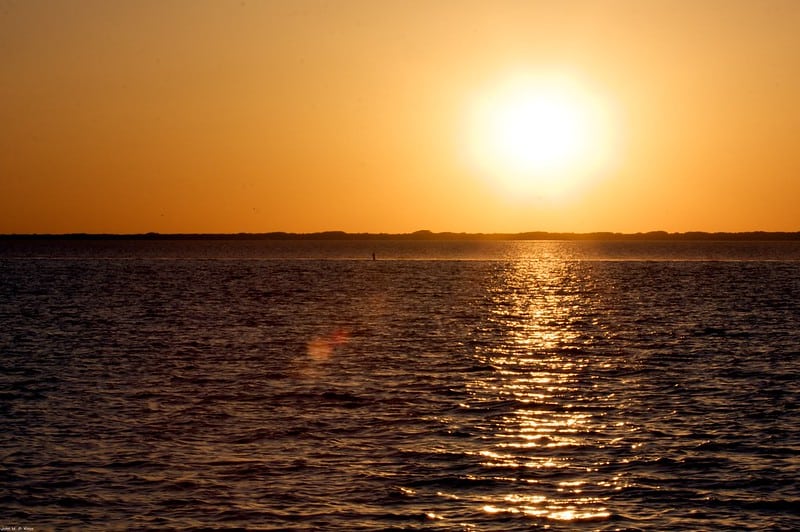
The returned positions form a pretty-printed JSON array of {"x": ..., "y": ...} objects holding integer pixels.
[{"x": 454, "y": 386}]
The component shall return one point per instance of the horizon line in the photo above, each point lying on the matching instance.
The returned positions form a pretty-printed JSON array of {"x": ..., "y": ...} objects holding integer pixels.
[{"x": 422, "y": 234}]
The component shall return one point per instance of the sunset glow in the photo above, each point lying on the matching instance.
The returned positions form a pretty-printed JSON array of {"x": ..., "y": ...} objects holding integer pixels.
[{"x": 302, "y": 116}]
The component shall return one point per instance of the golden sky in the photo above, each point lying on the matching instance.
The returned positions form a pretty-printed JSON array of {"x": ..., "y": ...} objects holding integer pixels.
[{"x": 131, "y": 116}]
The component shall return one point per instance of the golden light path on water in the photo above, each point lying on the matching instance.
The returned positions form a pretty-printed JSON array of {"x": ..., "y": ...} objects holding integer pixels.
[{"x": 542, "y": 371}]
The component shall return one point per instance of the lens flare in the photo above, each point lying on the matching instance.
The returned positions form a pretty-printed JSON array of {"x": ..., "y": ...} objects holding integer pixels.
[{"x": 321, "y": 347}]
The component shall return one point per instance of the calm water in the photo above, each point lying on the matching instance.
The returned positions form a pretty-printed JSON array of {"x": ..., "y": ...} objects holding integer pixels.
[{"x": 448, "y": 386}]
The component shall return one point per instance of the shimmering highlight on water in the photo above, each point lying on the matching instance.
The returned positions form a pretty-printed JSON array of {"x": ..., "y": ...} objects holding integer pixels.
[{"x": 455, "y": 386}]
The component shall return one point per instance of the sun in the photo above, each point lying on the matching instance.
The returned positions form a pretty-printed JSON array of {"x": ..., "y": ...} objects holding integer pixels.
[
  {"x": 543, "y": 136},
  {"x": 536, "y": 132}
]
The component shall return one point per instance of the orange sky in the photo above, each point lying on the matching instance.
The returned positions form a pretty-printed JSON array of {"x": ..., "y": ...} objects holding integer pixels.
[{"x": 214, "y": 116}]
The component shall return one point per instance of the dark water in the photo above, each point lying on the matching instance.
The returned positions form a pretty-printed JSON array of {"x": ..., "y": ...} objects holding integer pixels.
[{"x": 451, "y": 386}]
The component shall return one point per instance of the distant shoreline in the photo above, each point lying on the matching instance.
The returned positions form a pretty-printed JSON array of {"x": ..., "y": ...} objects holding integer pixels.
[{"x": 425, "y": 235}]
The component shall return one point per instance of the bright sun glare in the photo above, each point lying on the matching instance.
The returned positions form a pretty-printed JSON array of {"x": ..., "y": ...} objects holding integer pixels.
[{"x": 539, "y": 136}]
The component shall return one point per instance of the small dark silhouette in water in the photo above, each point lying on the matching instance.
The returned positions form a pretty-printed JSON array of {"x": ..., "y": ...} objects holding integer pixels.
[{"x": 373, "y": 255}]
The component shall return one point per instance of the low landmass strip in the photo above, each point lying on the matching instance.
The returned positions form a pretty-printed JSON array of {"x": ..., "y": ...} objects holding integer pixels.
[{"x": 419, "y": 235}]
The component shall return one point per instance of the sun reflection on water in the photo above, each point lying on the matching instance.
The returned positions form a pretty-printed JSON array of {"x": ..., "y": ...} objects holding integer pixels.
[{"x": 544, "y": 382}]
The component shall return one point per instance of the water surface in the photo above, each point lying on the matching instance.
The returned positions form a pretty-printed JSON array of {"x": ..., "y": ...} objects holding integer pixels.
[{"x": 448, "y": 385}]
